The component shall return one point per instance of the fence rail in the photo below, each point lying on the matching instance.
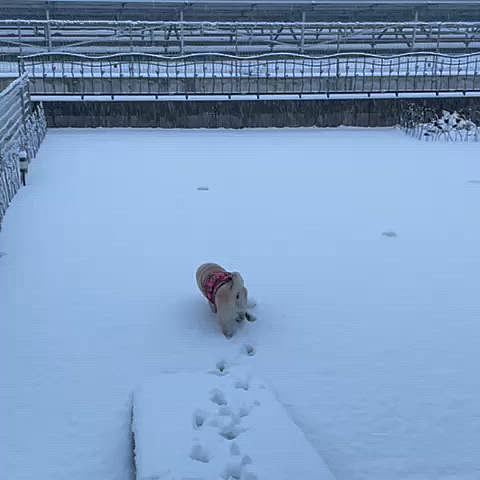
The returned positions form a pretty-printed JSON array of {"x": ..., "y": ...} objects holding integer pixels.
[
  {"x": 21, "y": 132},
  {"x": 269, "y": 74},
  {"x": 19, "y": 37},
  {"x": 170, "y": 38}
]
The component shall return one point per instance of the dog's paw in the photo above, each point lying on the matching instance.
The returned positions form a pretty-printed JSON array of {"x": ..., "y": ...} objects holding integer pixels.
[
  {"x": 241, "y": 317},
  {"x": 228, "y": 333},
  {"x": 250, "y": 317}
]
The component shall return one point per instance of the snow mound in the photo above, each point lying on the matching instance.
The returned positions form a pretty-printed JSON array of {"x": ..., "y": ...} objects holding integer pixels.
[{"x": 206, "y": 426}]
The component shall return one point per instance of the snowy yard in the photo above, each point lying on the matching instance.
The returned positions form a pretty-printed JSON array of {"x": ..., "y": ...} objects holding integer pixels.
[{"x": 361, "y": 248}]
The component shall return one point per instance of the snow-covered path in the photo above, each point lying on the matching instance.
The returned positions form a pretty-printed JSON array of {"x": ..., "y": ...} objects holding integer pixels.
[{"x": 371, "y": 341}]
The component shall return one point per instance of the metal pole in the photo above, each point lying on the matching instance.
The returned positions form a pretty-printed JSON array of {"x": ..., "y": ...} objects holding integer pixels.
[
  {"x": 47, "y": 31},
  {"x": 236, "y": 39},
  {"x": 20, "y": 49},
  {"x": 414, "y": 39},
  {"x": 302, "y": 41},
  {"x": 181, "y": 33}
]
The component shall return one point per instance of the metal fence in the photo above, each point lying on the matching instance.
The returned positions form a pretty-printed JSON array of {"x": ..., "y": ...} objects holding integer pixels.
[
  {"x": 239, "y": 38},
  {"x": 269, "y": 74},
  {"x": 21, "y": 132},
  {"x": 19, "y": 37}
]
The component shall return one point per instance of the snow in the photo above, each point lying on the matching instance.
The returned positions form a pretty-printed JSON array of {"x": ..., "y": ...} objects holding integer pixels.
[
  {"x": 234, "y": 427},
  {"x": 360, "y": 247}
]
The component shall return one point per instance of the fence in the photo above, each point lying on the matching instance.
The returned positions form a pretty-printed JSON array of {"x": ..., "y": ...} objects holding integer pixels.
[
  {"x": 21, "y": 131},
  {"x": 20, "y": 37},
  {"x": 269, "y": 74}
]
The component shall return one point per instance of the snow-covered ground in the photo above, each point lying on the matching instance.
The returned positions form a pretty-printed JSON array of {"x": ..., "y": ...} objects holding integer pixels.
[
  {"x": 227, "y": 424},
  {"x": 361, "y": 248}
]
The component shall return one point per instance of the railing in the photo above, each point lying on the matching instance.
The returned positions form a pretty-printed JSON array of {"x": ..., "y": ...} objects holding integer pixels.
[
  {"x": 169, "y": 38},
  {"x": 21, "y": 132},
  {"x": 269, "y": 74},
  {"x": 20, "y": 37}
]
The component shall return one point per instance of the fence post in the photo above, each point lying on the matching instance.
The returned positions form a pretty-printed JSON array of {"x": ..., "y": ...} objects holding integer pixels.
[
  {"x": 48, "y": 32},
  {"x": 414, "y": 38},
  {"x": 182, "y": 41},
  {"x": 21, "y": 66},
  {"x": 23, "y": 163},
  {"x": 22, "y": 102},
  {"x": 302, "y": 41},
  {"x": 19, "y": 31}
]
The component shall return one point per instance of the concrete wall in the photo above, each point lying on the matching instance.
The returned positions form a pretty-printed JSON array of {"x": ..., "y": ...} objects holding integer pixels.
[{"x": 241, "y": 114}]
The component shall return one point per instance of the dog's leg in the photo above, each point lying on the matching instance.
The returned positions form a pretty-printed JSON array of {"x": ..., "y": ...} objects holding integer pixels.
[
  {"x": 226, "y": 319},
  {"x": 213, "y": 307}
]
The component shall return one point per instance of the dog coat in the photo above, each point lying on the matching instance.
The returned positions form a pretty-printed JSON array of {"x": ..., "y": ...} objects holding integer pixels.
[{"x": 213, "y": 282}]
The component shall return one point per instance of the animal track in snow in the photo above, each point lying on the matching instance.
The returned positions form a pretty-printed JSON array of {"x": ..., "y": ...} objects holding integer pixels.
[
  {"x": 249, "y": 350},
  {"x": 218, "y": 397},
  {"x": 199, "y": 454},
  {"x": 390, "y": 234},
  {"x": 235, "y": 470},
  {"x": 222, "y": 367},
  {"x": 225, "y": 411},
  {"x": 242, "y": 384},
  {"x": 244, "y": 411},
  {"x": 231, "y": 431},
  {"x": 234, "y": 449},
  {"x": 199, "y": 418}
]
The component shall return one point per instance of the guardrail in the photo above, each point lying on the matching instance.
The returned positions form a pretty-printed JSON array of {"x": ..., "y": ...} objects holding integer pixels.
[
  {"x": 21, "y": 132},
  {"x": 269, "y": 74}
]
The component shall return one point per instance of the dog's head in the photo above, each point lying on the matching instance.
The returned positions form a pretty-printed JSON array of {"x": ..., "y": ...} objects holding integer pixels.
[{"x": 239, "y": 292}]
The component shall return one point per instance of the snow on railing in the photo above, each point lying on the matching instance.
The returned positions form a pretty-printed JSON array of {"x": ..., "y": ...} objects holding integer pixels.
[
  {"x": 22, "y": 130},
  {"x": 273, "y": 73}
]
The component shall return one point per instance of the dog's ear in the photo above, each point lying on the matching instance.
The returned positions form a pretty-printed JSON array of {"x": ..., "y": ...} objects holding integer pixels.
[
  {"x": 237, "y": 281},
  {"x": 242, "y": 298}
]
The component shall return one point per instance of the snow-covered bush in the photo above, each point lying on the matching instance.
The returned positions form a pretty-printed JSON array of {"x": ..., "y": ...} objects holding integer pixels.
[{"x": 426, "y": 124}]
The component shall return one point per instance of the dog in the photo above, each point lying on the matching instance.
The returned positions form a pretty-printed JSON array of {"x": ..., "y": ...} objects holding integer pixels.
[{"x": 226, "y": 295}]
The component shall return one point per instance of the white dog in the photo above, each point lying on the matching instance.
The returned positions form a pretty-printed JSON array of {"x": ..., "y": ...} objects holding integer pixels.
[{"x": 226, "y": 295}]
